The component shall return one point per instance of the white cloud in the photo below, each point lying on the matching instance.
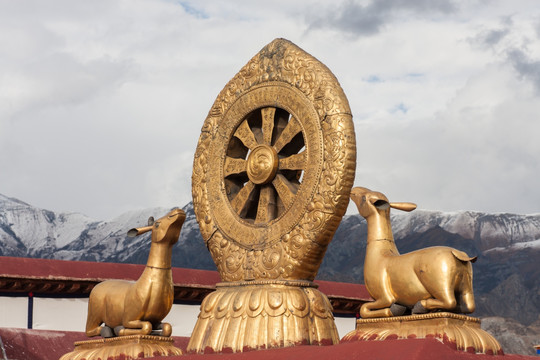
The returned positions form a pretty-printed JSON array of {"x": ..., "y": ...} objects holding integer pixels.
[
  {"x": 479, "y": 152},
  {"x": 101, "y": 103}
]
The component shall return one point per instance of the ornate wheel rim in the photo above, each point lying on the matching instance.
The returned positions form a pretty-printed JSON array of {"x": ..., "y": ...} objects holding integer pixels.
[
  {"x": 281, "y": 234},
  {"x": 270, "y": 159}
]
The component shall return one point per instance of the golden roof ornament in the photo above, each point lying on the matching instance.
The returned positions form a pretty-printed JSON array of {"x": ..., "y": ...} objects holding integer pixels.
[
  {"x": 127, "y": 314},
  {"x": 418, "y": 285},
  {"x": 434, "y": 278},
  {"x": 271, "y": 180}
]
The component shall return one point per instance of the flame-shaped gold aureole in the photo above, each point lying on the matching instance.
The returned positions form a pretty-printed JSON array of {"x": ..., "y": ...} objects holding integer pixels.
[{"x": 271, "y": 179}]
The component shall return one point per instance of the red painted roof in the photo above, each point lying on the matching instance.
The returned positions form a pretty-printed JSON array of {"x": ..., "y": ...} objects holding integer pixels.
[
  {"x": 29, "y": 268},
  {"x": 50, "y": 345},
  {"x": 345, "y": 290},
  {"x": 85, "y": 270},
  {"x": 406, "y": 349}
]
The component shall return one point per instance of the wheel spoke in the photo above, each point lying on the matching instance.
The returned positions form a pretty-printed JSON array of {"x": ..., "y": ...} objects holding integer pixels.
[
  {"x": 285, "y": 189},
  {"x": 242, "y": 198},
  {"x": 234, "y": 166},
  {"x": 293, "y": 162},
  {"x": 245, "y": 134},
  {"x": 268, "y": 123},
  {"x": 266, "y": 205},
  {"x": 292, "y": 129}
]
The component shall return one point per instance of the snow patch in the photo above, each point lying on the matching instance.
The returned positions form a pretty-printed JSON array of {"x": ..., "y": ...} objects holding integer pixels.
[{"x": 535, "y": 244}]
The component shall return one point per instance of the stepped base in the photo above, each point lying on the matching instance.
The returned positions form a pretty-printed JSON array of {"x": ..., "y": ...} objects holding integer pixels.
[
  {"x": 457, "y": 331},
  {"x": 123, "y": 347}
]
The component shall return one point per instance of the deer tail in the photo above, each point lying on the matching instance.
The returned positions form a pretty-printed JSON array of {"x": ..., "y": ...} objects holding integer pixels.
[{"x": 462, "y": 256}]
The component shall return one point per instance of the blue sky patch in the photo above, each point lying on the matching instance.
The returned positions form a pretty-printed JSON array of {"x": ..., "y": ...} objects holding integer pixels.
[
  {"x": 193, "y": 11},
  {"x": 373, "y": 79},
  {"x": 401, "y": 107}
]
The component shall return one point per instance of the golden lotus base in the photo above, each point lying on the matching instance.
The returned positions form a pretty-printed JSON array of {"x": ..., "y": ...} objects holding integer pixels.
[
  {"x": 458, "y": 331},
  {"x": 123, "y": 347},
  {"x": 263, "y": 314}
]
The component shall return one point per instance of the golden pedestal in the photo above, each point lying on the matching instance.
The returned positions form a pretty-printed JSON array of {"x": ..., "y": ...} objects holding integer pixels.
[
  {"x": 458, "y": 331},
  {"x": 123, "y": 347},
  {"x": 263, "y": 314}
]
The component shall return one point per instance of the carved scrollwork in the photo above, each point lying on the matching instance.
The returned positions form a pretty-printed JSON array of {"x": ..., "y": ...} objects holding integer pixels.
[{"x": 274, "y": 167}]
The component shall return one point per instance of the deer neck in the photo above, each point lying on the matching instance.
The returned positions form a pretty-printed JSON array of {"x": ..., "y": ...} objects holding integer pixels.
[
  {"x": 160, "y": 256},
  {"x": 380, "y": 240}
]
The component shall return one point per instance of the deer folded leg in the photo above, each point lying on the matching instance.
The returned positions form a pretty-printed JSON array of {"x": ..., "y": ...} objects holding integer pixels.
[
  {"x": 466, "y": 298},
  {"x": 136, "y": 327},
  {"x": 93, "y": 324},
  {"x": 467, "y": 305},
  {"x": 163, "y": 329},
  {"x": 377, "y": 308},
  {"x": 95, "y": 331},
  {"x": 445, "y": 300}
]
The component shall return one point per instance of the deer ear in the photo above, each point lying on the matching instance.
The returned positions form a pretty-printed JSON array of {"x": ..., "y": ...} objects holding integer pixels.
[
  {"x": 404, "y": 206},
  {"x": 381, "y": 204},
  {"x": 132, "y": 233},
  {"x": 138, "y": 231},
  {"x": 151, "y": 221}
]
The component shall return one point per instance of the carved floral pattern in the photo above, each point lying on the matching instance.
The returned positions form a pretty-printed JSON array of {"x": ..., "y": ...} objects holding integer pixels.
[
  {"x": 299, "y": 315},
  {"x": 297, "y": 254}
]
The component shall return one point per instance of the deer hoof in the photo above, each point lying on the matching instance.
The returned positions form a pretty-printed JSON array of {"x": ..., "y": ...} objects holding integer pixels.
[
  {"x": 166, "y": 329},
  {"x": 419, "y": 308},
  {"x": 162, "y": 329},
  {"x": 118, "y": 329},
  {"x": 397, "y": 310},
  {"x": 106, "y": 332}
]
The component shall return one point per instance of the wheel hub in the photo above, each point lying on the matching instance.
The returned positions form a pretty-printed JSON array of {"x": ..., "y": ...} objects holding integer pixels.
[{"x": 262, "y": 164}]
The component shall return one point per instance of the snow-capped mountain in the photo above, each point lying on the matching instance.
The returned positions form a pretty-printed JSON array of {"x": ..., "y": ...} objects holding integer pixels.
[
  {"x": 507, "y": 245},
  {"x": 487, "y": 230},
  {"x": 31, "y": 232}
]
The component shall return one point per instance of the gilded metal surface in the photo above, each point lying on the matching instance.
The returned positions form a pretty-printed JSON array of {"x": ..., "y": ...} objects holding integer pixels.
[
  {"x": 434, "y": 278},
  {"x": 274, "y": 167},
  {"x": 246, "y": 316},
  {"x": 261, "y": 169},
  {"x": 125, "y": 347},
  {"x": 459, "y": 331},
  {"x": 137, "y": 308},
  {"x": 271, "y": 180}
]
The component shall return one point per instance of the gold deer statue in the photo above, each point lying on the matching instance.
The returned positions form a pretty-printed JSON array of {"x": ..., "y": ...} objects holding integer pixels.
[
  {"x": 137, "y": 308},
  {"x": 423, "y": 280}
]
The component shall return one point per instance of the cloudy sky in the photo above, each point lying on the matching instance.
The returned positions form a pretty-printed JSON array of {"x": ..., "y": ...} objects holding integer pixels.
[{"x": 102, "y": 102}]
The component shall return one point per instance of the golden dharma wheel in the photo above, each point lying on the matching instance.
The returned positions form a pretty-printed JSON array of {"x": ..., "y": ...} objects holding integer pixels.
[
  {"x": 274, "y": 167},
  {"x": 272, "y": 176}
]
